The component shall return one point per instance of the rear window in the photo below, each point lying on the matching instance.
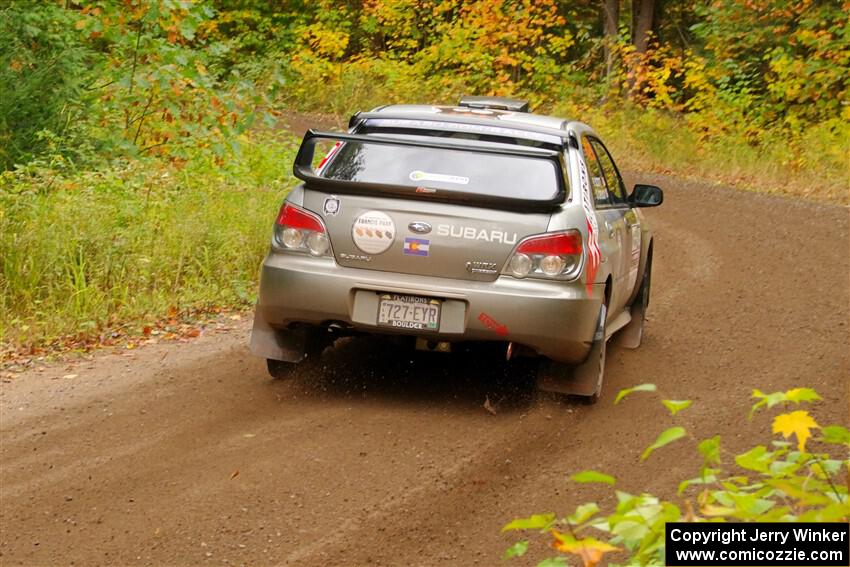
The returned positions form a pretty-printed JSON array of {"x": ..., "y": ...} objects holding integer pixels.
[{"x": 498, "y": 175}]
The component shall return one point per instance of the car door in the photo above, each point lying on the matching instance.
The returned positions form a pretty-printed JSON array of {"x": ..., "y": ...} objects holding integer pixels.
[
  {"x": 631, "y": 229},
  {"x": 611, "y": 223}
]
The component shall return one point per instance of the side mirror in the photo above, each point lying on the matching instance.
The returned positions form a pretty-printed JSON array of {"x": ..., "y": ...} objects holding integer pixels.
[{"x": 646, "y": 196}]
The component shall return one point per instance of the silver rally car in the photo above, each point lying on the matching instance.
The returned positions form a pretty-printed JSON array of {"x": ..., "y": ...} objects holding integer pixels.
[{"x": 450, "y": 224}]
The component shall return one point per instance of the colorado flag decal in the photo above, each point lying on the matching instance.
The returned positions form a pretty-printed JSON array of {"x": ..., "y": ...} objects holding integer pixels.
[{"x": 416, "y": 246}]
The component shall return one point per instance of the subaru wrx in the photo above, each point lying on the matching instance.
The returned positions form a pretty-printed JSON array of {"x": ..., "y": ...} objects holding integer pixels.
[{"x": 455, "y": 224}]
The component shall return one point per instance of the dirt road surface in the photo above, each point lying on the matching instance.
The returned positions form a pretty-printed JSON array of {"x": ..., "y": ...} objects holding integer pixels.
[{"x": 189, "y": 454}]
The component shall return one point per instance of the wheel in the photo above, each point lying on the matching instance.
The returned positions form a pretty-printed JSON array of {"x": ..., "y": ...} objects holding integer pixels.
[
  {"x": 280, "y": 369},
  {"x": 647, "y": 281}
]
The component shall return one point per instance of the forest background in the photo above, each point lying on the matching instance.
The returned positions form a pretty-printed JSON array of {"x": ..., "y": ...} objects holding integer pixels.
[{"x": 143, "y": 155}]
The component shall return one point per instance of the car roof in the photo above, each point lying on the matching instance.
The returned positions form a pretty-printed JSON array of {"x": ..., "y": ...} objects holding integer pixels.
[{"x": 488, "y": 117}]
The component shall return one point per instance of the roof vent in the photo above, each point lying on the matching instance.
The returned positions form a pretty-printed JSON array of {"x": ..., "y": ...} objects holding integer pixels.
[{"x": 494, "y": 102}]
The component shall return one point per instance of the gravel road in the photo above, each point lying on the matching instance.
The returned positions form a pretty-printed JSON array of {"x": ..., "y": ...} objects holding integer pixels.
[{"x": 189, "y": 454}]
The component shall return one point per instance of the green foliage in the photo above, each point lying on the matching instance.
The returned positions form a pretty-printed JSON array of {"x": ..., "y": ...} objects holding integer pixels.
[
  {"x": 664, "y": 438},
  {"x": 772, "y": 482},
  {"x": 94, "y": 79},
  {"x": 84, "y": 252},
  {"x": 621, "y": 395},
  {"x": 411, "y": 50},
  {"x": 41, "y": 81},
  {"x": 710, "y": 450},
  {"x": 593, "y": 476},
  {"x": 796, "y": 396},
  {"x": 749, "y": 93},
  {"x": 534, "y": 522},
  {"x": 710, "y": 98},
  {"x": 644, "y": 139},
  {"x": 157, "y": 88},
  {"x": 675, "y": 406},
  {"x": 778, "y": 62},
  {"x": 516, "y": 550}
]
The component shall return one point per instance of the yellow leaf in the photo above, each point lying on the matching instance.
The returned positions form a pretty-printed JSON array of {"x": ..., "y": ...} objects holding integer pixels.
[
  {"x": 589, "y": 549},
  {"x": 797, "y": 422},
  {"x": 714, "y": 510}
]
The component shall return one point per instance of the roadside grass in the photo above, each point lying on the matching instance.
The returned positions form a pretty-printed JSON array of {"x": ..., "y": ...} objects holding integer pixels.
[
  {"x": 815, "y": 165},
  {"x": 84, "y": 252}
]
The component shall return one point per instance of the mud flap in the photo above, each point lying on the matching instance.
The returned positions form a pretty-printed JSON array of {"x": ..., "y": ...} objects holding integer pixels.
[
  {"x": 289, "y": 345},
  {"x": 630, "y": 336},
  {"x": 584, "y": 379}
]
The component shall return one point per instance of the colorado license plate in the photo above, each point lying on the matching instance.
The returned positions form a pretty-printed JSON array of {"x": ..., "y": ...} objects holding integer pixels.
[{"x": 409, "y": 312}]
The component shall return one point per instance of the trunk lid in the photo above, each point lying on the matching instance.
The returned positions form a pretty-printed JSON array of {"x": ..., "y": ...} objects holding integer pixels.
[{"x": 420, "y": 237}]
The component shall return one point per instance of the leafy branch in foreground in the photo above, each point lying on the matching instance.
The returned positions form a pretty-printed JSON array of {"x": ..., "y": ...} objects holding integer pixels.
[{"x": 776, "y": 482}]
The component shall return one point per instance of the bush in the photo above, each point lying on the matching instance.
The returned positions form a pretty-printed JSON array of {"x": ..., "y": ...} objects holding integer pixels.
[
  {"x": 85, "y": 251},
  {"x": 779, "y": 481},
  {"x": 42, "y": 70}
]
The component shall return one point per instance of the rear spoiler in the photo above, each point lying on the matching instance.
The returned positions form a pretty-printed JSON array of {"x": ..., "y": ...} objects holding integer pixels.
[{"x": 303, "y": 170}]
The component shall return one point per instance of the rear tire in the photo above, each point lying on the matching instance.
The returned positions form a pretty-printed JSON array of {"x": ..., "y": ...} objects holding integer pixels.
[{"x": 279, "y": 369}]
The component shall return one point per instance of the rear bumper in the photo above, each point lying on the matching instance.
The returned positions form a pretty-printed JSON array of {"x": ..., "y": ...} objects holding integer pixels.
[{"x": 556, "y": 319}]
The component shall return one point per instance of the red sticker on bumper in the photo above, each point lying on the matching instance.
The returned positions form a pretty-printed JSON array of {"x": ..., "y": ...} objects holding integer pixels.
[{"x": 492, "y": 324}]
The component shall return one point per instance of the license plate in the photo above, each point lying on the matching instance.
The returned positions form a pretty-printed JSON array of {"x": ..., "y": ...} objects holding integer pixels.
[{"x": 409, "y": 312}]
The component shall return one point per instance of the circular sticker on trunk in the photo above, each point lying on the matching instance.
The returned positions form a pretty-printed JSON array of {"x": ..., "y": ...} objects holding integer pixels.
[{"x": 373, "y": 232}]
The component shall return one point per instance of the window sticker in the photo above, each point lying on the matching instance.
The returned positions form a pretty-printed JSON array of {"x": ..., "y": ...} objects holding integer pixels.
[
  {"x": 600, "y": 192},
  {"x": 321, "y": 168},
  {"x": 425, "y": 176}
]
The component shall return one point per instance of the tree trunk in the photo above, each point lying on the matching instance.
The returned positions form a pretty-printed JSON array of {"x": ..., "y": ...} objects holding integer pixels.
[
  {"x": 644, "y": 11},
  {"x": 611, "y": 13}
]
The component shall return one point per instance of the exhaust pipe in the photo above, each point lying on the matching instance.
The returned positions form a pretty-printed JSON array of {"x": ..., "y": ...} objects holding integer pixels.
[{"x": 434, "y": 346}]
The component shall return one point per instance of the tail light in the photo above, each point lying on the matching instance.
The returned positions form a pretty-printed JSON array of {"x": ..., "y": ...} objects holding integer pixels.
[
  {"x": 298, "y": 230},
  {"x": 557, "y": 255}
]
